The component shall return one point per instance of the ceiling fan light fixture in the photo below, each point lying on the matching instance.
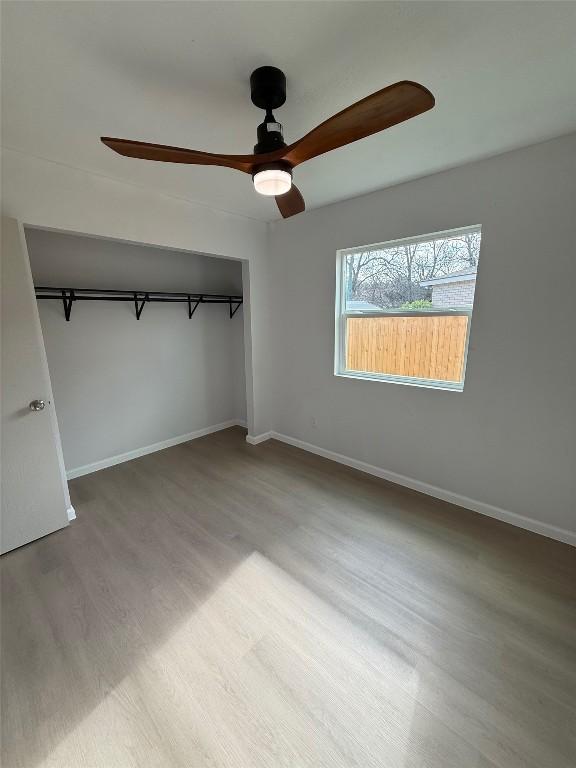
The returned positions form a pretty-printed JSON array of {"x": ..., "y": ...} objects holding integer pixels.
[{"x": 272, "y": 181}]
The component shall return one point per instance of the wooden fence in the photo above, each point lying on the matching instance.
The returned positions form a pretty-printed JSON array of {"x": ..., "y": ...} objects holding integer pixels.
[{"x": 424, "y": 347}]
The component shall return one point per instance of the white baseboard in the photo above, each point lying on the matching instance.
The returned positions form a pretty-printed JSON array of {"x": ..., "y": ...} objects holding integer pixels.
[
  {"x": 255, "y": 439},
  {"x": 529, "y": 524},
  {"x": 71, "y": 512},
  {"x": 129, "y": 455}
]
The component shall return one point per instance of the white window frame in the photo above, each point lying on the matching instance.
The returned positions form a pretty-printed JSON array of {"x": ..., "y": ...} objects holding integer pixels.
[{"x": 342, "y": 316}]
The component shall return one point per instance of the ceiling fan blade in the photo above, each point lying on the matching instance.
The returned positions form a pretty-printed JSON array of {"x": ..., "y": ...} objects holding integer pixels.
[
  {"x": 166, "y": 154},
  {"x": 381, "y": 110},
  {"x": 291, "y": 202}
]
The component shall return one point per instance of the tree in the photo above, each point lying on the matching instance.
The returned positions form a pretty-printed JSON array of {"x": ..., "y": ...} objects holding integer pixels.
[{"x": 391, "y": 277}]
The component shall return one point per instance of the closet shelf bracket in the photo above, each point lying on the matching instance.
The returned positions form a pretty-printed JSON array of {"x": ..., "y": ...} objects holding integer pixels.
[
  {"x": 67, "y": 298},
  {"x": 140, "y": 306},
  {"x": 236, "y": 308},
  {"x": 192, "y": 309}
]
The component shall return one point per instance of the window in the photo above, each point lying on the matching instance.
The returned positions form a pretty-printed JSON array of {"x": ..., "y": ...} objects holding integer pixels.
[{"x": 404, "y": 309}]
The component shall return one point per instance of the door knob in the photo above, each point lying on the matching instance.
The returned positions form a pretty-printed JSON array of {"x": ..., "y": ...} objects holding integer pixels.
[{"x": 37, "y": 405}]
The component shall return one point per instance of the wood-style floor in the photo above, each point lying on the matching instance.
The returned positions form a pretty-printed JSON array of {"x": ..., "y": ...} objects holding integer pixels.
[{"x": 220, "y": 604}]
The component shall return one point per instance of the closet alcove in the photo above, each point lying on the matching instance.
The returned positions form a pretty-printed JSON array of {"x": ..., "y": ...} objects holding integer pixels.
[{"x": 145, "y": 345}]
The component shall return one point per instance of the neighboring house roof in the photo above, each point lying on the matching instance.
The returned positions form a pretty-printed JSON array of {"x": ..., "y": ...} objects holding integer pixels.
[
  {"x": 462, "y": 276},
  {"x": 361, "y": 306}
]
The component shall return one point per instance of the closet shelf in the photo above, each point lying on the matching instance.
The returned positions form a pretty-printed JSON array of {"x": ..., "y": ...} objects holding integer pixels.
[{"x": 69, "y": 295}]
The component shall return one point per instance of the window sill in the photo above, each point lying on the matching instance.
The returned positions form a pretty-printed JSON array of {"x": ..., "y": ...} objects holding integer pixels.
[{"x": 405, "y": 380}]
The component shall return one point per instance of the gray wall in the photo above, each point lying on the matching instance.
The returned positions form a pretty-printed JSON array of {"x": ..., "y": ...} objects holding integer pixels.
[
  {"x": 121, "y": 384},
  {"x": 509, "y": 439}
]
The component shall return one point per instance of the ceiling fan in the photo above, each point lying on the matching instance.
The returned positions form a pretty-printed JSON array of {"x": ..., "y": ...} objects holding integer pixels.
[{"x": 272, "y": 162}]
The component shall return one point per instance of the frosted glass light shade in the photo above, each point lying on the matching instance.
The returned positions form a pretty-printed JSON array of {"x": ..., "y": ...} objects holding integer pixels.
[{"x": 272, "y": 182}]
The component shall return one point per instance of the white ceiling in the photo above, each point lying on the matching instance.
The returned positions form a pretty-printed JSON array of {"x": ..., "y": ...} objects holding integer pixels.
[{"x": 503, "y": 74}]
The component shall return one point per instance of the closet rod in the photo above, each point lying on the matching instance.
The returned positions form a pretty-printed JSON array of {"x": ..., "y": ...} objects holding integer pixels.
[{"x": 69, "y": 295}]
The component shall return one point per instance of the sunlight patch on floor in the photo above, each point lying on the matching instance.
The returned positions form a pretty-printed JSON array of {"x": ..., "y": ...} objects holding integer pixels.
[{"x": 263, "y": 673}]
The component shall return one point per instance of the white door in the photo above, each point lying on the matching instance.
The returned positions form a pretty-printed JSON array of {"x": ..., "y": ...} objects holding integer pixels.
[{"x": 34, "y": 490}]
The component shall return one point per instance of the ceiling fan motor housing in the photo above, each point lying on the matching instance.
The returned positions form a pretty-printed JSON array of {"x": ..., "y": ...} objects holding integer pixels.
[
  {"x": 270, "y": 136},
  {"x": 268, "y": 91}
]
